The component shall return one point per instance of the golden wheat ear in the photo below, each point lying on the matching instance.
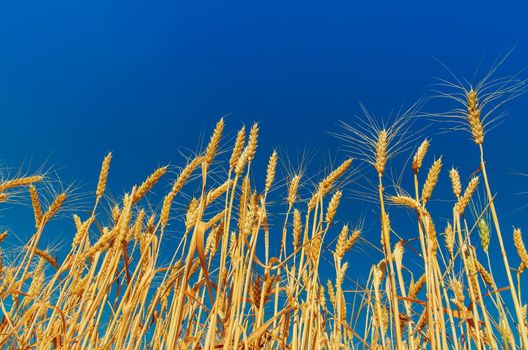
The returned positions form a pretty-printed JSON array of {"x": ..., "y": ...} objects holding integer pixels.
[
  {"x": 103, "y": 176},
  {"x": 478, "y": 103}
]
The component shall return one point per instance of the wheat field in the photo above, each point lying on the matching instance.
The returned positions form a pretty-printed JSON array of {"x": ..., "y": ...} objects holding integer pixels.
[{"x": 226, "y": 286}]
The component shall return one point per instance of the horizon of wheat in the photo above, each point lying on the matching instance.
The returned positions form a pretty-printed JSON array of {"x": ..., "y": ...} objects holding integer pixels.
[{"x": 224, "y": 287}]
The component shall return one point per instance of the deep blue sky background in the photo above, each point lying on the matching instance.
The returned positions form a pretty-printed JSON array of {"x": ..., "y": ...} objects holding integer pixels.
[{"x": 146, "y": 78}]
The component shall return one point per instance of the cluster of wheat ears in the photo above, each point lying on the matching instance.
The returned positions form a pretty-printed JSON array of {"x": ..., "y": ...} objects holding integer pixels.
[{"x": 224, "y": 287}]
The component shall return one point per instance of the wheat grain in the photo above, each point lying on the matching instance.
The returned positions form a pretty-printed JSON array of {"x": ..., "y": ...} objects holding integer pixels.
[
  {"x": 398, "y": 254},
  {"x": 252, "y": 142},
  {"x": 519, "y": 245},
  {"x": 292, "y": 190},
  {"x": 473, "y": 117},
  {"x": 103, "y": 175},
  {"x": 185, "y": 174},
  {"x": 192, "y": 212},
  {"x": 463, "y": 201},
  {"x": 341, "y": 242},
  {"x": 237, "y": 149},
  {"x": 455, "y": 182},
  {"x": 332, "y": 207},
  {"x": 484, "y": 234},
  {"x": 416, "y": 287},
  {"x": 35, "y": 202},
  {"x": 166, "y": 207},
  {"x": 270, "y": 173},
  {"x": 54, "y": 207},
  {"x": 381, "y": 152},
  {"x": 449, "y": 238},
  {"x": 327, "y": 183},
  {"x": 406, "y": 201},
  {"x": 217, "y": 192},
  {"x": 352, "y": 239},
  {"x": 23, "y": 181},
  {"x": 242, "y": 161},
  {"x": 147, "y": 185},
  {"x": 297, "y": 228},
  {"x": 385, "y": 232},
  {"x": 420, "y": 155},
  {"x": 47, "y": 257},
  {"x": 486, "y": 276},
  {"x": 212, "y": 147},
  {"x": 431, "y": 181}
]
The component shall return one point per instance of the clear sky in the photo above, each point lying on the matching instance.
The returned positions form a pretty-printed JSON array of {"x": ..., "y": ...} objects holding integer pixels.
[{"x": 146, "y": 79}]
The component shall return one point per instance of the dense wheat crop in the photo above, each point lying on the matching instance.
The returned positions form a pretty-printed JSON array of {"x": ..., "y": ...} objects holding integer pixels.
[{"x": 224, "y": 287}]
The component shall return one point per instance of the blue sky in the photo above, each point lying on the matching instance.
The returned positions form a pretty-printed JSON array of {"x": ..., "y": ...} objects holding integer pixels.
[{"x": 147, "y": 79}]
